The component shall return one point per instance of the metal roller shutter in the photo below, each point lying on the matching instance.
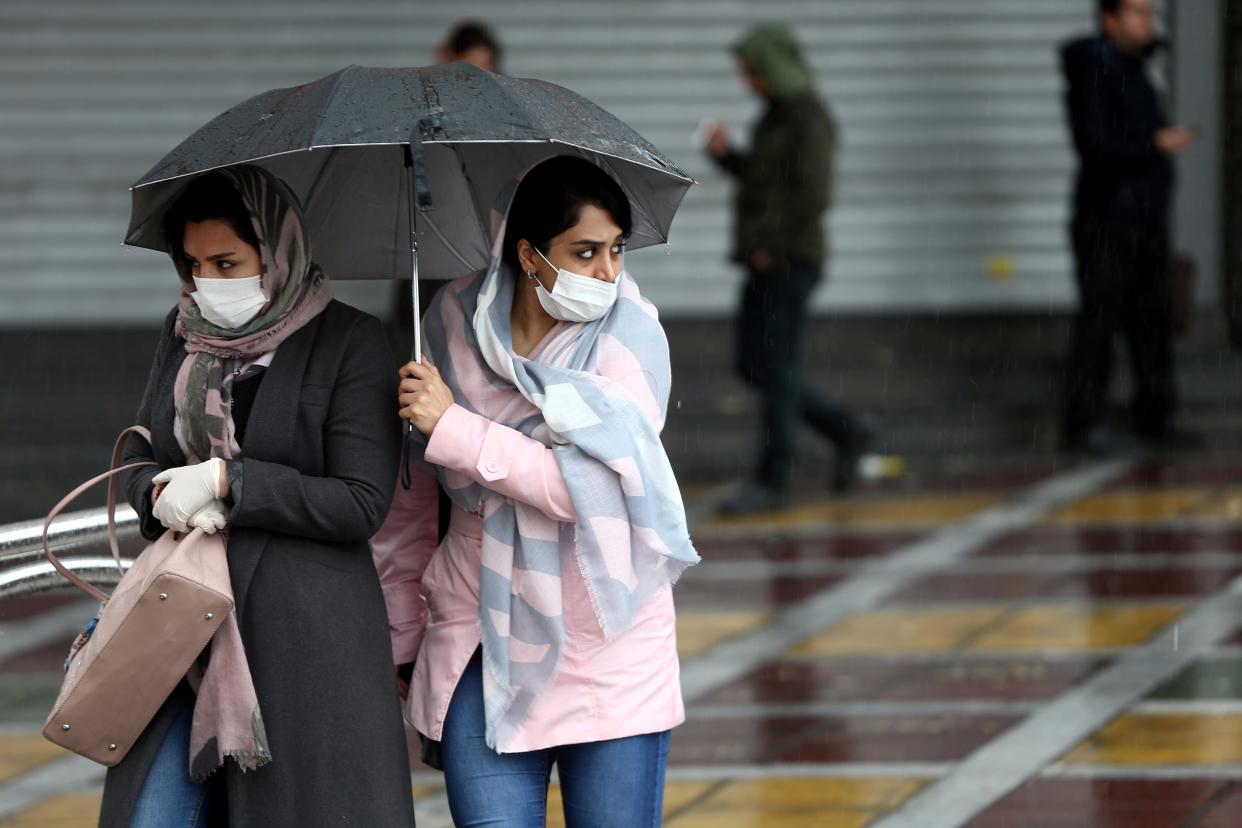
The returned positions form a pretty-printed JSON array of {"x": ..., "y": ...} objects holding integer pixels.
[{"x": 952, "y": 178}]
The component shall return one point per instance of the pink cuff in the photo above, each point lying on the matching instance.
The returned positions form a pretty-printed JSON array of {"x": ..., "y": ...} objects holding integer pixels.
[
  {"x": 455, "y": 441},
  {"x": 486, "y": 452}
]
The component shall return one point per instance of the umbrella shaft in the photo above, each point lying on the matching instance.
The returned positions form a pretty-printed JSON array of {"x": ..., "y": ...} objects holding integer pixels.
[{"x": 412, "y": 190}]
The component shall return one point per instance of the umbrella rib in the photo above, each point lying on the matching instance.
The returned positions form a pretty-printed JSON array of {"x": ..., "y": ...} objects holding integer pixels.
[{"x": 448, "y": 245}]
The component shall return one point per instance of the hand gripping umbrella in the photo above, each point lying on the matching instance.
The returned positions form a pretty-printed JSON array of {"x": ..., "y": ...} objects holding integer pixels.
[{"x": 398, "y": 170}]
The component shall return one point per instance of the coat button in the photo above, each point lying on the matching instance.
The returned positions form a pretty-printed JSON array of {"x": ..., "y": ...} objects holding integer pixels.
[
  {"x": 163, "y": 596},
  {"x": 209, "y": 616},
  {"x": 64, "y": 727},
  {"x": 493, "y": 466},
  {"x": 112, "y": 746}
]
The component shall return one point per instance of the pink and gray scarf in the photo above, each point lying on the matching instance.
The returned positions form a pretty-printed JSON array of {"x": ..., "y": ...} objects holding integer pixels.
[{"x": 227, "y": 720}]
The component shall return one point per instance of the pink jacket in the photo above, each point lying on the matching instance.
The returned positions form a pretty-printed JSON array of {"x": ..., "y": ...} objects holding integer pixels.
[{"x": 604, "y": 689}]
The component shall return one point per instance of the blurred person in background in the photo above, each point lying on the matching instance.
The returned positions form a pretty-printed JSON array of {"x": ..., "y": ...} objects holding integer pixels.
[
  {"x": 1120, "y": 229},
  {"x": 784, "y": 187},
  {"x": 471, "y": 42}
]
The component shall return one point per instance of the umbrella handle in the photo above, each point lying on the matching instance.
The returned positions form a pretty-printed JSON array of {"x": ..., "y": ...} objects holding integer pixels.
[
  {"x": 408, "y": 436},
  {"x": 417, "y": 349}
]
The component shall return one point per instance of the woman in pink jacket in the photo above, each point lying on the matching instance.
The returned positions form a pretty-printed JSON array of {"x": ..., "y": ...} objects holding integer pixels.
[{"x": 541, "y": 628}]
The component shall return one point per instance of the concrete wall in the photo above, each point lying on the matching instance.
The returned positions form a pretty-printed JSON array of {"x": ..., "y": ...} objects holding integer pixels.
[{"x": 1196, "y": 89}]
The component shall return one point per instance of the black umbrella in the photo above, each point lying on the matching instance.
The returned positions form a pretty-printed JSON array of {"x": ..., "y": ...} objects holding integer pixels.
[{"x": 397, "y": 168}]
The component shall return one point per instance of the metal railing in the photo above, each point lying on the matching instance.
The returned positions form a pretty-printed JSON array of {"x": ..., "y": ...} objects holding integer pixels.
[{"x": 79, "y": 539}]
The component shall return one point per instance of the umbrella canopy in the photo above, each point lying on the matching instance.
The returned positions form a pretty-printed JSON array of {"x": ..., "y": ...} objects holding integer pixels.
[{"x": 376, "y": 154}]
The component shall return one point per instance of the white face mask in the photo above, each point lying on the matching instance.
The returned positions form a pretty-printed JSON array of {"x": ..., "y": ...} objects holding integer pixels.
[
  {"x": 229, "y": 303},
  {"x": 574, "y": 297}
]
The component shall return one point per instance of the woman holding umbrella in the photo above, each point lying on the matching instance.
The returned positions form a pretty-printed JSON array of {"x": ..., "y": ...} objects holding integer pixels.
[
  {"x": 269, "y": 405},
  {"x": 542, "y": 628}
]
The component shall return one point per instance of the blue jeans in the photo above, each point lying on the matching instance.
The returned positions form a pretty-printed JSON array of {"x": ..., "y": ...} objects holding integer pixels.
[
  {"x": 618, "y": 783},
  {"x": 170, "y": 798}
]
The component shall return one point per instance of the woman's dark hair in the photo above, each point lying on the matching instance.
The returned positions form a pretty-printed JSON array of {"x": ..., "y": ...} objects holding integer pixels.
[
  {"x": 551, "y": 197},
  {"x": 212, "y": 196}
]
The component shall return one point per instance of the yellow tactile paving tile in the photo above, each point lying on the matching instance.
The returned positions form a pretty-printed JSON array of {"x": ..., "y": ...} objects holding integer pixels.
[
  {"x": 697, "y": 631},
  {"x": 901, "y": 631},
  {"x": 20, "y": 753},
  {"x": 677, "y": 794},
  {"x": 764, "y": 803},
  {"x": 80, "y": 810},
  {"x": 927, "y": 510},
  {"x": 1225, "y": 506},
  {"x": 1164, "y": 739},
  {"x": 796, "y": 803},
  {"x": 1133, "y": 506},
  {"x": 991, "y": 628},
  {"x": 1070, "y": 627}
]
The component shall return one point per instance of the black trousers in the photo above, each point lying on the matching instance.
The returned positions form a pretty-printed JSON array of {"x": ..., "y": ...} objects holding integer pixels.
[
  {"x": 1125, "y": 286},
  {"x": 771, "y": 325}
]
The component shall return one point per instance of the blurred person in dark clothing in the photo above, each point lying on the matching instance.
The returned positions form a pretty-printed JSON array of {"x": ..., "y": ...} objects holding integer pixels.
[
  {"x": 784, "y": 187},
  {"x": 1120, "y": 228}
]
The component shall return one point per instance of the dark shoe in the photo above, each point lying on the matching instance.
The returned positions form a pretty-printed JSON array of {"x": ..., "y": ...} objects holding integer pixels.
[
  {"x": 1098, "y": 442},
  {"x": 846, "y": 461},
  {"x": 754, "y": 498}
]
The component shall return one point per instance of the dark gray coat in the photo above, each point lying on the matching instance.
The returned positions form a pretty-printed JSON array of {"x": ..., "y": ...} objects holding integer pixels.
[{"x": 319, "y": 465}]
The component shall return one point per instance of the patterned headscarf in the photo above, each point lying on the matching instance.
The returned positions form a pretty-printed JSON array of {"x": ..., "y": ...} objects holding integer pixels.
[
  {"x": 297, "y": 291},
  {"x": 227, "y": 720}
]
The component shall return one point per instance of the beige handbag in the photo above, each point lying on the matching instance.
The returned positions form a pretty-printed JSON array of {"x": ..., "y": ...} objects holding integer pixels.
[{"x": 159, "y": 618}]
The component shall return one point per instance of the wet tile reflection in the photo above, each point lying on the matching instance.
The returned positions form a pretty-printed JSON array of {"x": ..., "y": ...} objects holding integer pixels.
[{"x": 1106, "y": 803}]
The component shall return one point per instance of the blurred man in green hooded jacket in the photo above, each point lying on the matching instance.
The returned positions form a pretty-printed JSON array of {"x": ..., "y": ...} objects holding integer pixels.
[{"x": 784, "y": 187}]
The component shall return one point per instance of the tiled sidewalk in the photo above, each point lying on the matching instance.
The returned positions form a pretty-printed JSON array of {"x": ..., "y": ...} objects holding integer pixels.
[{"x": 1060, "y": 655}]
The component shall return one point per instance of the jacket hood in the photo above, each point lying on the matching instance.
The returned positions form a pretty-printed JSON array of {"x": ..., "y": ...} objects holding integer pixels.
[{"x": 774, "y": 55}]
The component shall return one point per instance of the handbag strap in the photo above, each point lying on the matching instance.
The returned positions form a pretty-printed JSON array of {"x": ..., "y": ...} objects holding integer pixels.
[{"x": 113, "y": 542}]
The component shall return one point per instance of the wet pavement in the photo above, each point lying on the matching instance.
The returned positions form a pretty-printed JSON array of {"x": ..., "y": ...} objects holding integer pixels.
[{"x": 1057, "y": 648}]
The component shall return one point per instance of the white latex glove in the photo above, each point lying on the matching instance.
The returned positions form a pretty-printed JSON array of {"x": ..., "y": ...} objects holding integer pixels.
[
  {"x": 211, "y": 518},
  {"x": 187, "y": 489}
]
